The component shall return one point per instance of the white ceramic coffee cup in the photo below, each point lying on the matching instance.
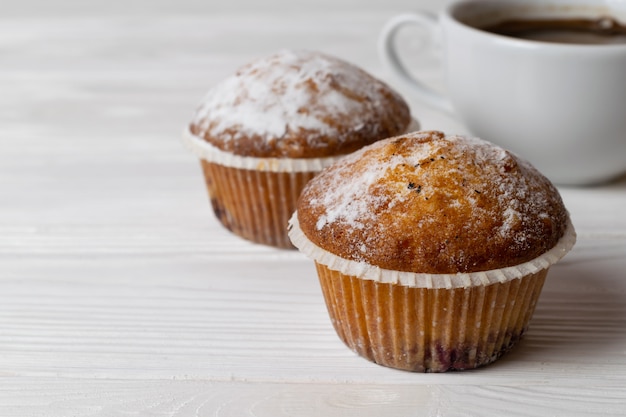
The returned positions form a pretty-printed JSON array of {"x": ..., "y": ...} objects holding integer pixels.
[{"x": 561, "y": 106}]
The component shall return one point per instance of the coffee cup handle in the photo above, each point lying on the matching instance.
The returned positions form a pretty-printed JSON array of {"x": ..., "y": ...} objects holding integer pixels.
[{"x": 390, "y": 57}]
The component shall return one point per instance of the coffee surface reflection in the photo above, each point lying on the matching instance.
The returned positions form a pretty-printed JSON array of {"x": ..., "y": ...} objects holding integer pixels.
[{"x": 604, "y": 30}]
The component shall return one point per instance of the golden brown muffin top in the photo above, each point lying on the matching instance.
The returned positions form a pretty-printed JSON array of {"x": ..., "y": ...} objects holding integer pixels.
[
  {"x": 299, "y": 104},
  {"x": 429, "y": 203}
]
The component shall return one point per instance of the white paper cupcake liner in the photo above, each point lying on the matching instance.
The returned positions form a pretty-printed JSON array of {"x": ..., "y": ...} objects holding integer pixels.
[
  {"x": 204, "y": 150},
  {"x": 254, "y": 197},
  {"x": 366, "y": 271},
  {"x": 429, "y": 329},
  {"x": 255, "y": 204}
]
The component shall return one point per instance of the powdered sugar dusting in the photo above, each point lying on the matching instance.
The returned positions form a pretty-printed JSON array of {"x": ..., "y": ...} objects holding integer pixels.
[
  {"x": 453, "y": 200},
  {"x": 293, "y": 91},
  {"x": 347, "y": 200},
  {"x": 252, "y": 92}
]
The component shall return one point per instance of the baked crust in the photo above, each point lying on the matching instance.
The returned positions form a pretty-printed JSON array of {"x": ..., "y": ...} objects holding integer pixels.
[
  {"x": 430, "y": 203},
  {"x": 299, "y": 104}
]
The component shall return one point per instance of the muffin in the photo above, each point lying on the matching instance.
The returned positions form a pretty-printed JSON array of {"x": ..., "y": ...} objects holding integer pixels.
[
  {"x": 431, "y": 250},
  {"x": 265, "y": 131}
]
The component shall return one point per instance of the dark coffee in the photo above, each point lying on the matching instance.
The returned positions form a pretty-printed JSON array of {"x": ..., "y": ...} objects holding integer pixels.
[{"x": 604, "y": 30}]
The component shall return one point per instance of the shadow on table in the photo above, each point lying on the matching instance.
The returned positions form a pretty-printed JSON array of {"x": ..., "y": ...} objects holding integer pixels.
[{"x": 582, "y": 308}]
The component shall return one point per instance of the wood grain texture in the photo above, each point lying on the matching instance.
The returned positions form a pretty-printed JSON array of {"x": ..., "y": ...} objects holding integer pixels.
[
  {"x": 121, "y": 294},
  {"x": 197, "y": 316},
  {"x": 176, "y": 398}
]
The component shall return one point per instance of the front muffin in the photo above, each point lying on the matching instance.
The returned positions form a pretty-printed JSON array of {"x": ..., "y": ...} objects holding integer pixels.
[
  {"x": 431, "y": 250},
  {"x": 264, "y": 132}
]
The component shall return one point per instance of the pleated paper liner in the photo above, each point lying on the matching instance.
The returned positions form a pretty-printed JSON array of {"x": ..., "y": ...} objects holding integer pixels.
[
  {"x": 255, "y": 205},
  {"x": 430, "y": 322},
  {"x": 254, "y": 197}
]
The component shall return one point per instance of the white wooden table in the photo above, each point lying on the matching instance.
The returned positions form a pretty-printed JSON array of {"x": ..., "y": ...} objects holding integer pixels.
[{"x": 121, "y": 295}]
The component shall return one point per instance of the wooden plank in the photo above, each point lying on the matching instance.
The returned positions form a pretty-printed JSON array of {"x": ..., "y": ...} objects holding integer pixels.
[
  {"x": 197, "y": 316},
  {"x": 112, "y": 398}
]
